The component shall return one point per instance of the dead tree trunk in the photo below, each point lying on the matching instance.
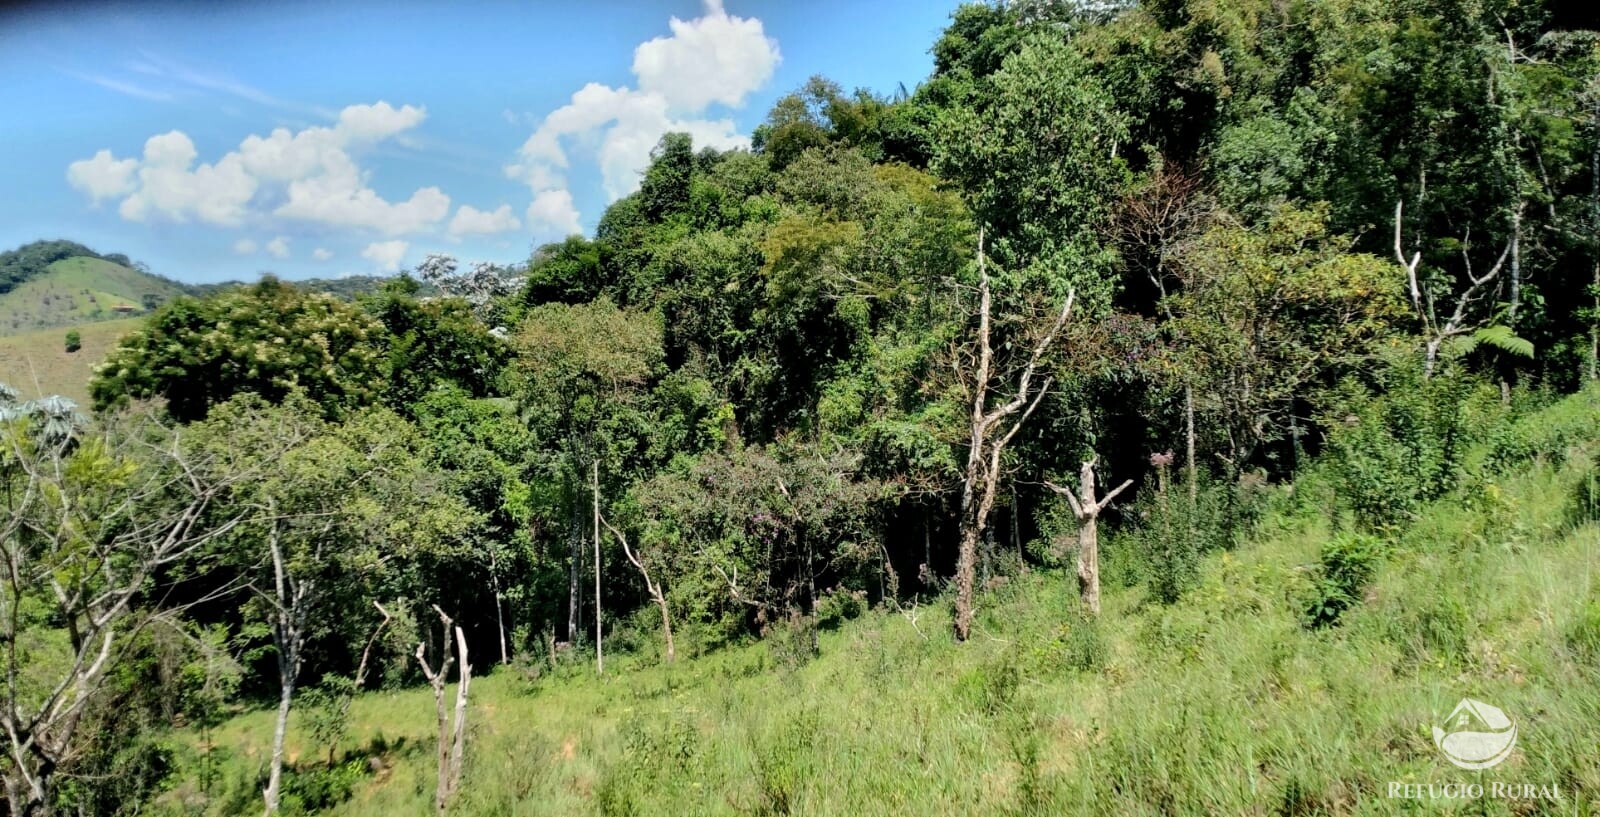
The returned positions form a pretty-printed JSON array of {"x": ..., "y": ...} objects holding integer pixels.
[
  {"x": 657, "y": 594},
  {"x": 986, "y": 443},
  {"x": 1087, "y": 509},
  {"x": 599, "y": 650},
  {"x": 452, "y": 738}
]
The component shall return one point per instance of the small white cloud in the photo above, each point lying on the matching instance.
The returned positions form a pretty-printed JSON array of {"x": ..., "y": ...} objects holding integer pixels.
[
  {"x": 278, "y": 247},
  {"x": 321, "y": 254},
  {"x": 102, "y": 177},
  {"x": 244, "y": 246},
  {"x": 386, "y": 254},
  {"x": 552, "y": 214},
  {"x": 469, "y": 221},
  {"x": 379, "y": 121}
]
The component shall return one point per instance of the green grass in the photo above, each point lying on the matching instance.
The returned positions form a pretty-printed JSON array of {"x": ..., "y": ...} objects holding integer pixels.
[
  {"x": 37, "y": 363},
  {"x": 1221, "y": 703},
  {"x": 79, "y": 290}
]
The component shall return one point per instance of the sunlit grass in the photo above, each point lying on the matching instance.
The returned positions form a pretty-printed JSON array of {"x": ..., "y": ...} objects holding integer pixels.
[{"x": 1222, "y": 703}]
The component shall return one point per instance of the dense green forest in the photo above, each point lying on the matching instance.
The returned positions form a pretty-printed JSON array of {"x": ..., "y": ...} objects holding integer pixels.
[{"x": 1035, "y": 353}]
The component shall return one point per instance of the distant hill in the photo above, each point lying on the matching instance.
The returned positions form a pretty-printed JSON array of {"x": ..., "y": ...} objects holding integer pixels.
[
  {"x": 30, "y": 261},
  {"x": 82, "y": 289},
  {"x": 346, "y": 288}
]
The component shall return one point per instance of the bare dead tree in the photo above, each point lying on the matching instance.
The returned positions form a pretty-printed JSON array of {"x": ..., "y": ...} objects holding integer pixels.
[
  {"x": 452, "y": 740},
  {"x": 1460, "y": 321},
  {"x": 657, "y": 593},
  {"x": 80, "y": 551},
  {"x": 1087, "y": 507},
  {"x": 989, "y": 435}
]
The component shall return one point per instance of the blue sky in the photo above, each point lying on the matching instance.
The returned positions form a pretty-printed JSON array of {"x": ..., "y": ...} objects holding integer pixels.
[{"x": 219, "y": 140}]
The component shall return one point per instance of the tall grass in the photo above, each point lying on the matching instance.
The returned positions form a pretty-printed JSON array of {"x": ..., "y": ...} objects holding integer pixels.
[{"x": 1224, "y": 701}]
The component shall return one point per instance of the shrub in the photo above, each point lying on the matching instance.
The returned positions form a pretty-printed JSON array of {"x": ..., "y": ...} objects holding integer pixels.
[
  {"x": 74, "y": 341},
  {"x": 1548, "y": 434},
  {"x": 1347, "y": 564},
  {"x": 835, "y": 607},
  {"x": 1392, "y": 453},
  {"x": 1172, "y": 534}
]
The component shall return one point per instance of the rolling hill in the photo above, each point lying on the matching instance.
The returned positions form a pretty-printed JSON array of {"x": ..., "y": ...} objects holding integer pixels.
[{"x": 78, "y": 290}]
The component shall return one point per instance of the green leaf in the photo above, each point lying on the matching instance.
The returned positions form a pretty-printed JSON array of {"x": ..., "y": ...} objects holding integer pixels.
[{"x": 1501, "y": 337}]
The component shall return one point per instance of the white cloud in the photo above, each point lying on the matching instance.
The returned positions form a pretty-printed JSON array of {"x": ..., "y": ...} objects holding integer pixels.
[
  {"x": 340, "y": 200},
  {"x": 386, "y": 254},
  {"x": 102, "y": 177},
  {"x": 278, "y": 247},
  {"x": 470, "y": 220},
  {"x": 552, "y": 214},
  {"x": 714, "y": 59},
  {"x": 306, "y": 175},
  {"x": 379, "y": 121},
  {"x": 168, "y": 188},
  {"x": 321, "y": 254},
  {"x": 244, "y": 246}
]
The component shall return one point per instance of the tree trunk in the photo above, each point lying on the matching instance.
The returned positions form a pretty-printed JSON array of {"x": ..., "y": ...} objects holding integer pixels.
[
  {"x": 1089, "y": 542},
  {"x": 965, "y": 557},
  {"x": 280, "y": 732},
  {"x": 27, "y": 784},
  {"x": 458, "y": 746},
  {"x": 575, "y": 551},
  {"x": 450, "y": 749},
  {"x": 599, "y": 651},
  {"x": 1189, "y": 461},
  {"x": 1087, "y": 507},
  {"x": 499, "y": 610},
  {"x": 666, "y": 627},
  {"x": 1594, "y": 329},
  {"x": 986, "y": 443}
]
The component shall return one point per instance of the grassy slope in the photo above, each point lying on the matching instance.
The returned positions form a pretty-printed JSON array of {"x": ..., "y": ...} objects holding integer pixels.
[
  {"x": 1219, "y": 704},
  {"x": 36, "y": 363},
  {"x": 75, "y": 291}
]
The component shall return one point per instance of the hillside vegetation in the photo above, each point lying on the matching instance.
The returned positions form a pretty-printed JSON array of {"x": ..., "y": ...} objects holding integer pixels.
[
  {"x": 37, "y": 363},
  {"x": 80, "y": 290},
  {"x": 1226, "y": 702}
]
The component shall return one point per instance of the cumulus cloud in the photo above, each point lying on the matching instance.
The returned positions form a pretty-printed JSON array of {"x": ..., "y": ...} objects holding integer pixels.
[
  {"x": 102, "y": 176},
  {"x": 171, "y": 187},
  {"x": 321, "y": 254},
  {"x": 379, "y": 121},
  {"x": 278, "y": 247},
  {"x": 244, "y": 246},
  {"x": 714, "y": 59},
  {"x": 470, "y": 220},
  {"x": 306, "y": 175},
  {"x": 553, "y": 215},
  {"x": 342, "y": 201},
  {"x": 386, "y": 254}
]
